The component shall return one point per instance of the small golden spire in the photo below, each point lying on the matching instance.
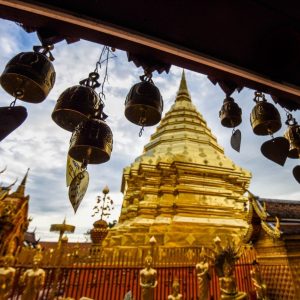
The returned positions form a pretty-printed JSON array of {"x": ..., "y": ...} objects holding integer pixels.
[
  {"x": 20, "y": 191},
  {"x": 183, "y": 92}
]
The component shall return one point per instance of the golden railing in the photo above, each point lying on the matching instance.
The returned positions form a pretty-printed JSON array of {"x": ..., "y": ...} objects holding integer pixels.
[
  {"x": 75, "y": 256},
  {"x": 76, "y": 271}
]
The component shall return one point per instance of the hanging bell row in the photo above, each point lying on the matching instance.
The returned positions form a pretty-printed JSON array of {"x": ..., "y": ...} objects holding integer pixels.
[
  {"x": 264, "y": 118},
  {"x": 30, "y": 76},
  {"x": 77, "y": 104},
  {"x": 230, "y": 113},
  {"x": 144, "y": 103},
  {"x": 292, "y": 134}
]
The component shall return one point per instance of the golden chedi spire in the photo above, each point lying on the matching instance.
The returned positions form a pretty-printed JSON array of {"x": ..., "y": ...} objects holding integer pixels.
[
  {"x": 183, "y": 189},
  {"x": 184, "y": 133},
  {"x": 183, "y": 92}
]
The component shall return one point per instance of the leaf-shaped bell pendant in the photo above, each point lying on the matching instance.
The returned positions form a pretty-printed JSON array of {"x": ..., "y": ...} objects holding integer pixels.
[
  {"x": 230, "y": 113},
  {"x": 30, "y": 76},
  {"x": 91, "y": 142},
  {"x": 11, "y": 118},
  {"x": 144, "y": 103},
  {"x": 77, "y": 103},
  {"x": 292, "y": 134},
  {"x": 264, "y": 118}
]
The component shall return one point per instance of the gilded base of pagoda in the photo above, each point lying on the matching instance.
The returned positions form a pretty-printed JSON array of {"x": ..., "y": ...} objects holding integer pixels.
[{"x": 174, "y": 232}]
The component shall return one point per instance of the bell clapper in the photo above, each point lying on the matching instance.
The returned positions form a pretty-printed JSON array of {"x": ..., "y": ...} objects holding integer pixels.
[
  {"x": 84, "y": 165},
  {"x": 142, "y": 120}
]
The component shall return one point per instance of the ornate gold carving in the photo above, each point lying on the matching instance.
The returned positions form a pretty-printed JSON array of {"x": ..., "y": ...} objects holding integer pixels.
[{"x": 272, "y": 231}]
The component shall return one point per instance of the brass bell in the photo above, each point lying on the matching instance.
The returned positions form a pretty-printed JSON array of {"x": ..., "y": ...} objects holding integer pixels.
[
  {"x": 91, "y": 142},
  {"x": 230, "y": 113},
  {"x": 30, "y": 76},
  {"x": 77, "y": 103},
  {"x": 144, "y": 103},
  {"x": 292, "y": 134},
  {"x": 264, "y": 118}
]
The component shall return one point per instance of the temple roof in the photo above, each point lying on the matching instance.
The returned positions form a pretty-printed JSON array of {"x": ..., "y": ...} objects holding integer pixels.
[
  {"x": 30, "y": 238},
  {"x": 278, "y": 218},
  {"x": 283, "y": 209}
]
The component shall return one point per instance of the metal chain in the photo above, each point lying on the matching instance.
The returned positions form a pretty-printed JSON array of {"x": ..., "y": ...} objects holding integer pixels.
[
  {"x": 105, "y": 55},
  {"x": 13, "y": 103},
  {"x": 141, "y": 131}
]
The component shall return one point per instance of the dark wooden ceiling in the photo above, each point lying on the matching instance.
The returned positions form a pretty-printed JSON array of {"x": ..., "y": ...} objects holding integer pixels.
[{"x": 253, "y": 44}]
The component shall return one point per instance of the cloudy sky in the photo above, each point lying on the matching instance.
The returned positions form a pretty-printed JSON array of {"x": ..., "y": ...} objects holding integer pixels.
[{"x": 42, "y": 146}]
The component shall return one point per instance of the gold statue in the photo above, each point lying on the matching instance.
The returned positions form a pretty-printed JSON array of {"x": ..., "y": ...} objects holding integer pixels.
[
  {"x": 7, "y": 276},
  {"x": 260, "y": 286},
  {"x": 148, "y": 279},
  {"x": 203, "y": 277},
  {"x": 176, "y": 289},
  {"x": 33, "y": 279},
  {"x": 228, "y": 285}
]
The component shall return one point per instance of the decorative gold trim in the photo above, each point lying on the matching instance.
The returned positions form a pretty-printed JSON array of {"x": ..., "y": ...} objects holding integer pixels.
[
  {"x": 273, "y": 232},
  {"x": 248, "y": 235},
  {"x": 258, "y": 208}
]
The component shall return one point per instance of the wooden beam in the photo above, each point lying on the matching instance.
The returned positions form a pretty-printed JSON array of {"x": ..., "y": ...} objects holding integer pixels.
[{"x": 150, "y": 42}]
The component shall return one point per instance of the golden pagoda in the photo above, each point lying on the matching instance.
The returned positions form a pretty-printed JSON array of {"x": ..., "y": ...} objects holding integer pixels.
[{"x": 182, "y": 190}]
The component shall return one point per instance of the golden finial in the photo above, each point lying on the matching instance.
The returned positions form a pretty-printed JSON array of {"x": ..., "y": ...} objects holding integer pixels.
[
  {"x": 183, "y": 92},
  {"x": 183, "y": 85},
  {"x": 20, "y": 191}
]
